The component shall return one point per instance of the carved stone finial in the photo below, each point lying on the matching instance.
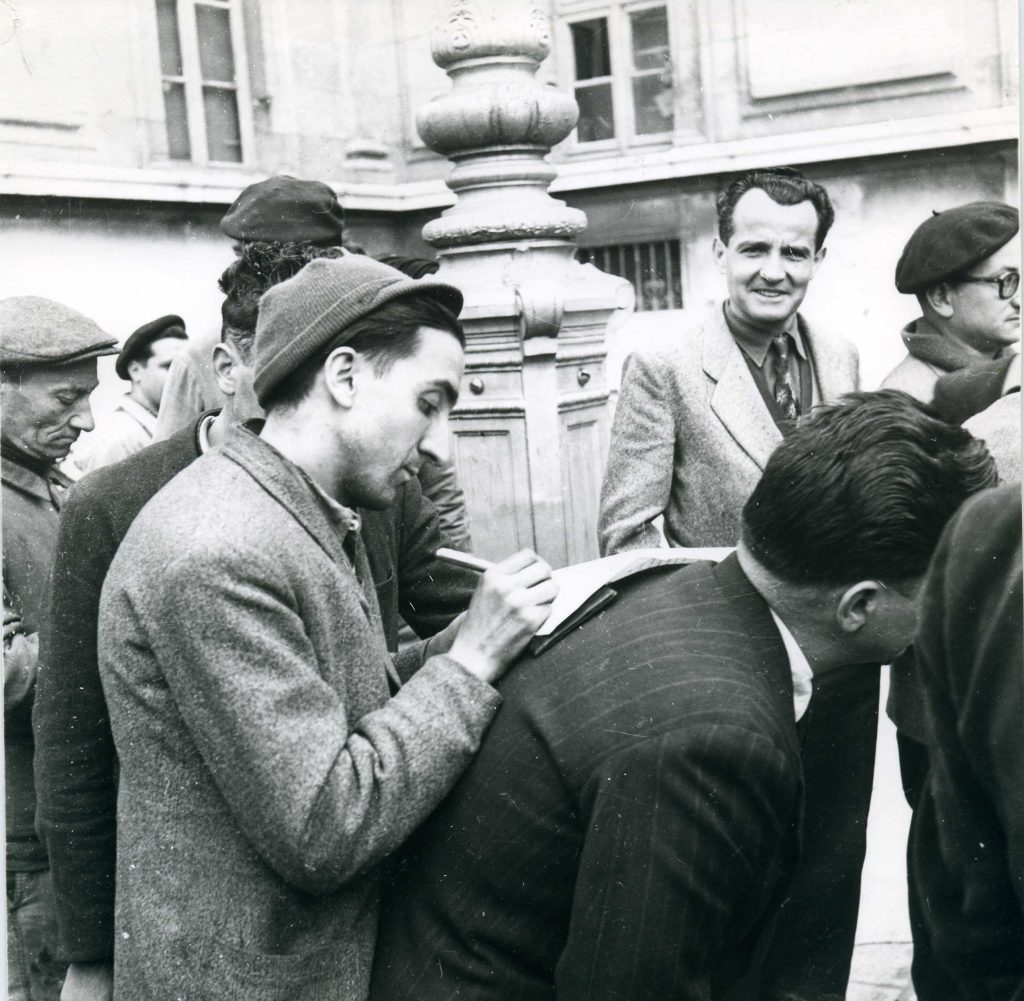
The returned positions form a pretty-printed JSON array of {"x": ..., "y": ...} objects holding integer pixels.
[{"x": 497, "y": 123}]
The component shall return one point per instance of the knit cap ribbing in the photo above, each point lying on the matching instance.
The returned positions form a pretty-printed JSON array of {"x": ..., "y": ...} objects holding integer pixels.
[{"x": 301, "y": 315}]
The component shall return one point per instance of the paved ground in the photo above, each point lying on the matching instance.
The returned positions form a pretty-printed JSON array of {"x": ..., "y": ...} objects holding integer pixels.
[{"x": 881, "y": 964}]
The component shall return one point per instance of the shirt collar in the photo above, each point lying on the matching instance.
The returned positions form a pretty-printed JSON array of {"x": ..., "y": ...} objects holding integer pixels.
[
  {"x": 135, "y": 410},
  {"x": 799, "y": 668},
  {"x": 30, "y": 482},
  {"x": 754, "y": 340}
]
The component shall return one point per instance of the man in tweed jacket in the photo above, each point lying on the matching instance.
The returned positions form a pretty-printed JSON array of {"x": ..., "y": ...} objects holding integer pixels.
[
  {"x": 265, "y": 771},
  {"x": 701, "y": 411}
]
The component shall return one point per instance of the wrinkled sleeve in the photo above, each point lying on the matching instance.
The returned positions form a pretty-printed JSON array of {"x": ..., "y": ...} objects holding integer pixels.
[
  {"x": 320, "y": 801},
  {"x": 638, "y": 477},
  {"x": 75, "y": 759}
]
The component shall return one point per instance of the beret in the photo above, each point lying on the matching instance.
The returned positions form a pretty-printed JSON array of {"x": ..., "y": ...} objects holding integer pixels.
[
  {"x": 284, "y": 209},
  {"x": 166, "y": 326},
  {"x": 950, "y": 243},
  {"x": 301, "y": 315},
  {"x": 36, "y": 331}
]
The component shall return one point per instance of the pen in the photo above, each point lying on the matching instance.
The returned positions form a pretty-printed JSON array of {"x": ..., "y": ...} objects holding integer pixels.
[{"x": 466, "y": 560}]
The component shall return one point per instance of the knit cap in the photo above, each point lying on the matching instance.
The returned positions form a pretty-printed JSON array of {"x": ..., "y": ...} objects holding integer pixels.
[
  {"x": 38, "y": 332},
  {"x": 301, "y": 315},
  {"x": 950, "y": 243}
]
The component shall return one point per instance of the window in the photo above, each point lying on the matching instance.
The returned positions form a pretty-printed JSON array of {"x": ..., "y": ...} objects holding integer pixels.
[
  {"x": 652, "y": 268},
  {"x": 203, "y": 83},
  {"x": 623, "y": 75}
]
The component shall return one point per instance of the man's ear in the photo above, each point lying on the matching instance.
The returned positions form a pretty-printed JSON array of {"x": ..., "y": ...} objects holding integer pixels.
[
  {"x": 133, "y": 368},
  {"x": 856, "y": 605},
  {"x": 718, "y": 250},
  {"x": 341, "y": 373},
  {"x": 819, "y": 256},
  {"x": 224, "y": 368},
  {"x": 940, "y": 298}
]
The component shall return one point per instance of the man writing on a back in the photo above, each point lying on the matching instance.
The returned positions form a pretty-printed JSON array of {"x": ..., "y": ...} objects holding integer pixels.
[{"x": 245, "y": 668}]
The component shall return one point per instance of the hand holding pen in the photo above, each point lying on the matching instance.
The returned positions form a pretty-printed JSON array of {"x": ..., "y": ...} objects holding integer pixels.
[{"x": 510, "y": 604}]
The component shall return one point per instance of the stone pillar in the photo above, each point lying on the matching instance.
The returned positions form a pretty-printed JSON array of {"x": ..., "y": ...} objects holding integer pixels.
[{"x": 531, "y": 429}]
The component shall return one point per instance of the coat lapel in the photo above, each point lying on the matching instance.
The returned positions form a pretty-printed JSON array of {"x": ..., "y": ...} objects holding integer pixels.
[
  {"x": 282, "y": 482},
  {"x": 832, "y": 371},
  {"x": 735, "y": 399}
]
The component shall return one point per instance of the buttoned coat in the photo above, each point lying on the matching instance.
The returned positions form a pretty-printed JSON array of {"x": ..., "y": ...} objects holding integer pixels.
[
  {"x": 265, "y": 772},
  {"x": 692, "y": 434}
]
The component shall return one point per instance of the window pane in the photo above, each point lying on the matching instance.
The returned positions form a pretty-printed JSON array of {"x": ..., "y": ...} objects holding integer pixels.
[
  {"x": 213, "y": 26},
  {"x": 178, "y": 145},
  {"x": 649, "y": 30},
  {"x": 167, "y": 33},
  {"x": 652, "y": 105},
  {"x": 596, "y": 120},
  {"x": 590, "y": 43},
  {"x": 223, "y": 138}
]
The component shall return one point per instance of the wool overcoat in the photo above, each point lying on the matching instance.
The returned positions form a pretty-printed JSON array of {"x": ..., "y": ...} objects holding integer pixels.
[{"x": 265, "y": 772}]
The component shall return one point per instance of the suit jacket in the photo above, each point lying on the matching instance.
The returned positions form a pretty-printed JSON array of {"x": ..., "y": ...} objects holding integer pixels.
[
  {"x": 692, "y": 434},
  {"x": 967, "y": 837},
  {"x": 75, "y": 759},
  {"x": 630, "y": 822}
]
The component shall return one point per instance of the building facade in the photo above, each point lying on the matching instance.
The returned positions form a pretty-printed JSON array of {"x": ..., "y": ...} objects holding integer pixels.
[{"x": 125, "y": 132}]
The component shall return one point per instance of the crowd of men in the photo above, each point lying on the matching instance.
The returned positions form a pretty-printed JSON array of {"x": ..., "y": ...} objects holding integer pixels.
[{"x": 228, "y": 776}]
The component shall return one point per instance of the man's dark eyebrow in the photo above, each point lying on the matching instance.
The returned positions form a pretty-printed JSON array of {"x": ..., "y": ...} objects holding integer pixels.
[
  {"x": 753, "y": 244},
  {"x": 450, "y": 391}
]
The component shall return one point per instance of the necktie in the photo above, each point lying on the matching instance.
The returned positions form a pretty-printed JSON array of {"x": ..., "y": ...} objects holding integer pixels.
[{"x": 785, "y": 398}]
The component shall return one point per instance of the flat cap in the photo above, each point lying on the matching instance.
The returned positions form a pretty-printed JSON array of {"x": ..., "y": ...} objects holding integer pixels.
[
  {"x": 284, "y": 209},
  {"x": 166, "y": 326},
  {"x": 303, "y": 314},
  {"x": 950, "y": 243},
  {"x": 40, "y": 332}
]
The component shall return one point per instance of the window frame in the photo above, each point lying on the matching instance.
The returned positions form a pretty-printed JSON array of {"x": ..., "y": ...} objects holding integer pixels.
[
  {"x": 620, "y": 39},
  {"x": 192, "y": 79}
]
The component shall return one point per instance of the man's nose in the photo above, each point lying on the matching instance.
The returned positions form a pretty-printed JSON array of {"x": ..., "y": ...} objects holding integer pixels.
[
  {"x": 771, "y": 268},
  {"x": 81, "y": 418},
  {"x": 436, "y": 444}
]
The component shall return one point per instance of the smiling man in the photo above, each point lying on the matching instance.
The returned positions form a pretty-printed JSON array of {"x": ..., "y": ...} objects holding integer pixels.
[
  {"x": 270, "y": 757},
  {"x": 699, "y": 414},
  {"x": 48, "y": 358},
  {"x": 701, "y": 411}
]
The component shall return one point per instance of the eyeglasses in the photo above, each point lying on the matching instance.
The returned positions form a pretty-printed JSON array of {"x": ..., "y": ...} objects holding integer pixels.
[{"x": 1008, "y": 282}]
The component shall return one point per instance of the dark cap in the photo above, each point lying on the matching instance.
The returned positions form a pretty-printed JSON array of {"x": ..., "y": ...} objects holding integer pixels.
[
  {"x": 284, "y": 209},
  {"x": 950, "y": 243},
  {"x": 303, "y": 314},
  {"x": 155, "y": 330},
  {"x": 41, "y": 332}
]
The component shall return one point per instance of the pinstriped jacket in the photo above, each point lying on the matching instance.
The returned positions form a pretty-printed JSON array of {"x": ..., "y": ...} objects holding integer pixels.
[{"x": 631, "y": 821}]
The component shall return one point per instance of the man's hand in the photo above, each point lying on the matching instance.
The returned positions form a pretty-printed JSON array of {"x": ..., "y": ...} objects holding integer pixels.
[
  {"x": 89, "y": 982},
  {"x": 510, "y": 604}
]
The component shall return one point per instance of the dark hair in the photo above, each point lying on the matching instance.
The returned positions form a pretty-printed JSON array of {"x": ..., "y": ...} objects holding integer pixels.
[
  {"x": 861, "y": 489},
  {"x": 259, "y": 266},
  {"x": 784, "y": 185},
  {"x": 385, "y": 336}
]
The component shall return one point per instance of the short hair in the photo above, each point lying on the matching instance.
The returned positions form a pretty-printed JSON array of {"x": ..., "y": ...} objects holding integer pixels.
[
  {"x": 259, "y": 266},
  {"x": 384, "y": 336},
  {"x": 784, "y": 185},
  {"x": 861, "y": 489}
]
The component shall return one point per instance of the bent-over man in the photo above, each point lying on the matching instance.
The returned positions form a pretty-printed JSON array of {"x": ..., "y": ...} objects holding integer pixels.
[{"x": 632, "y": 823}]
